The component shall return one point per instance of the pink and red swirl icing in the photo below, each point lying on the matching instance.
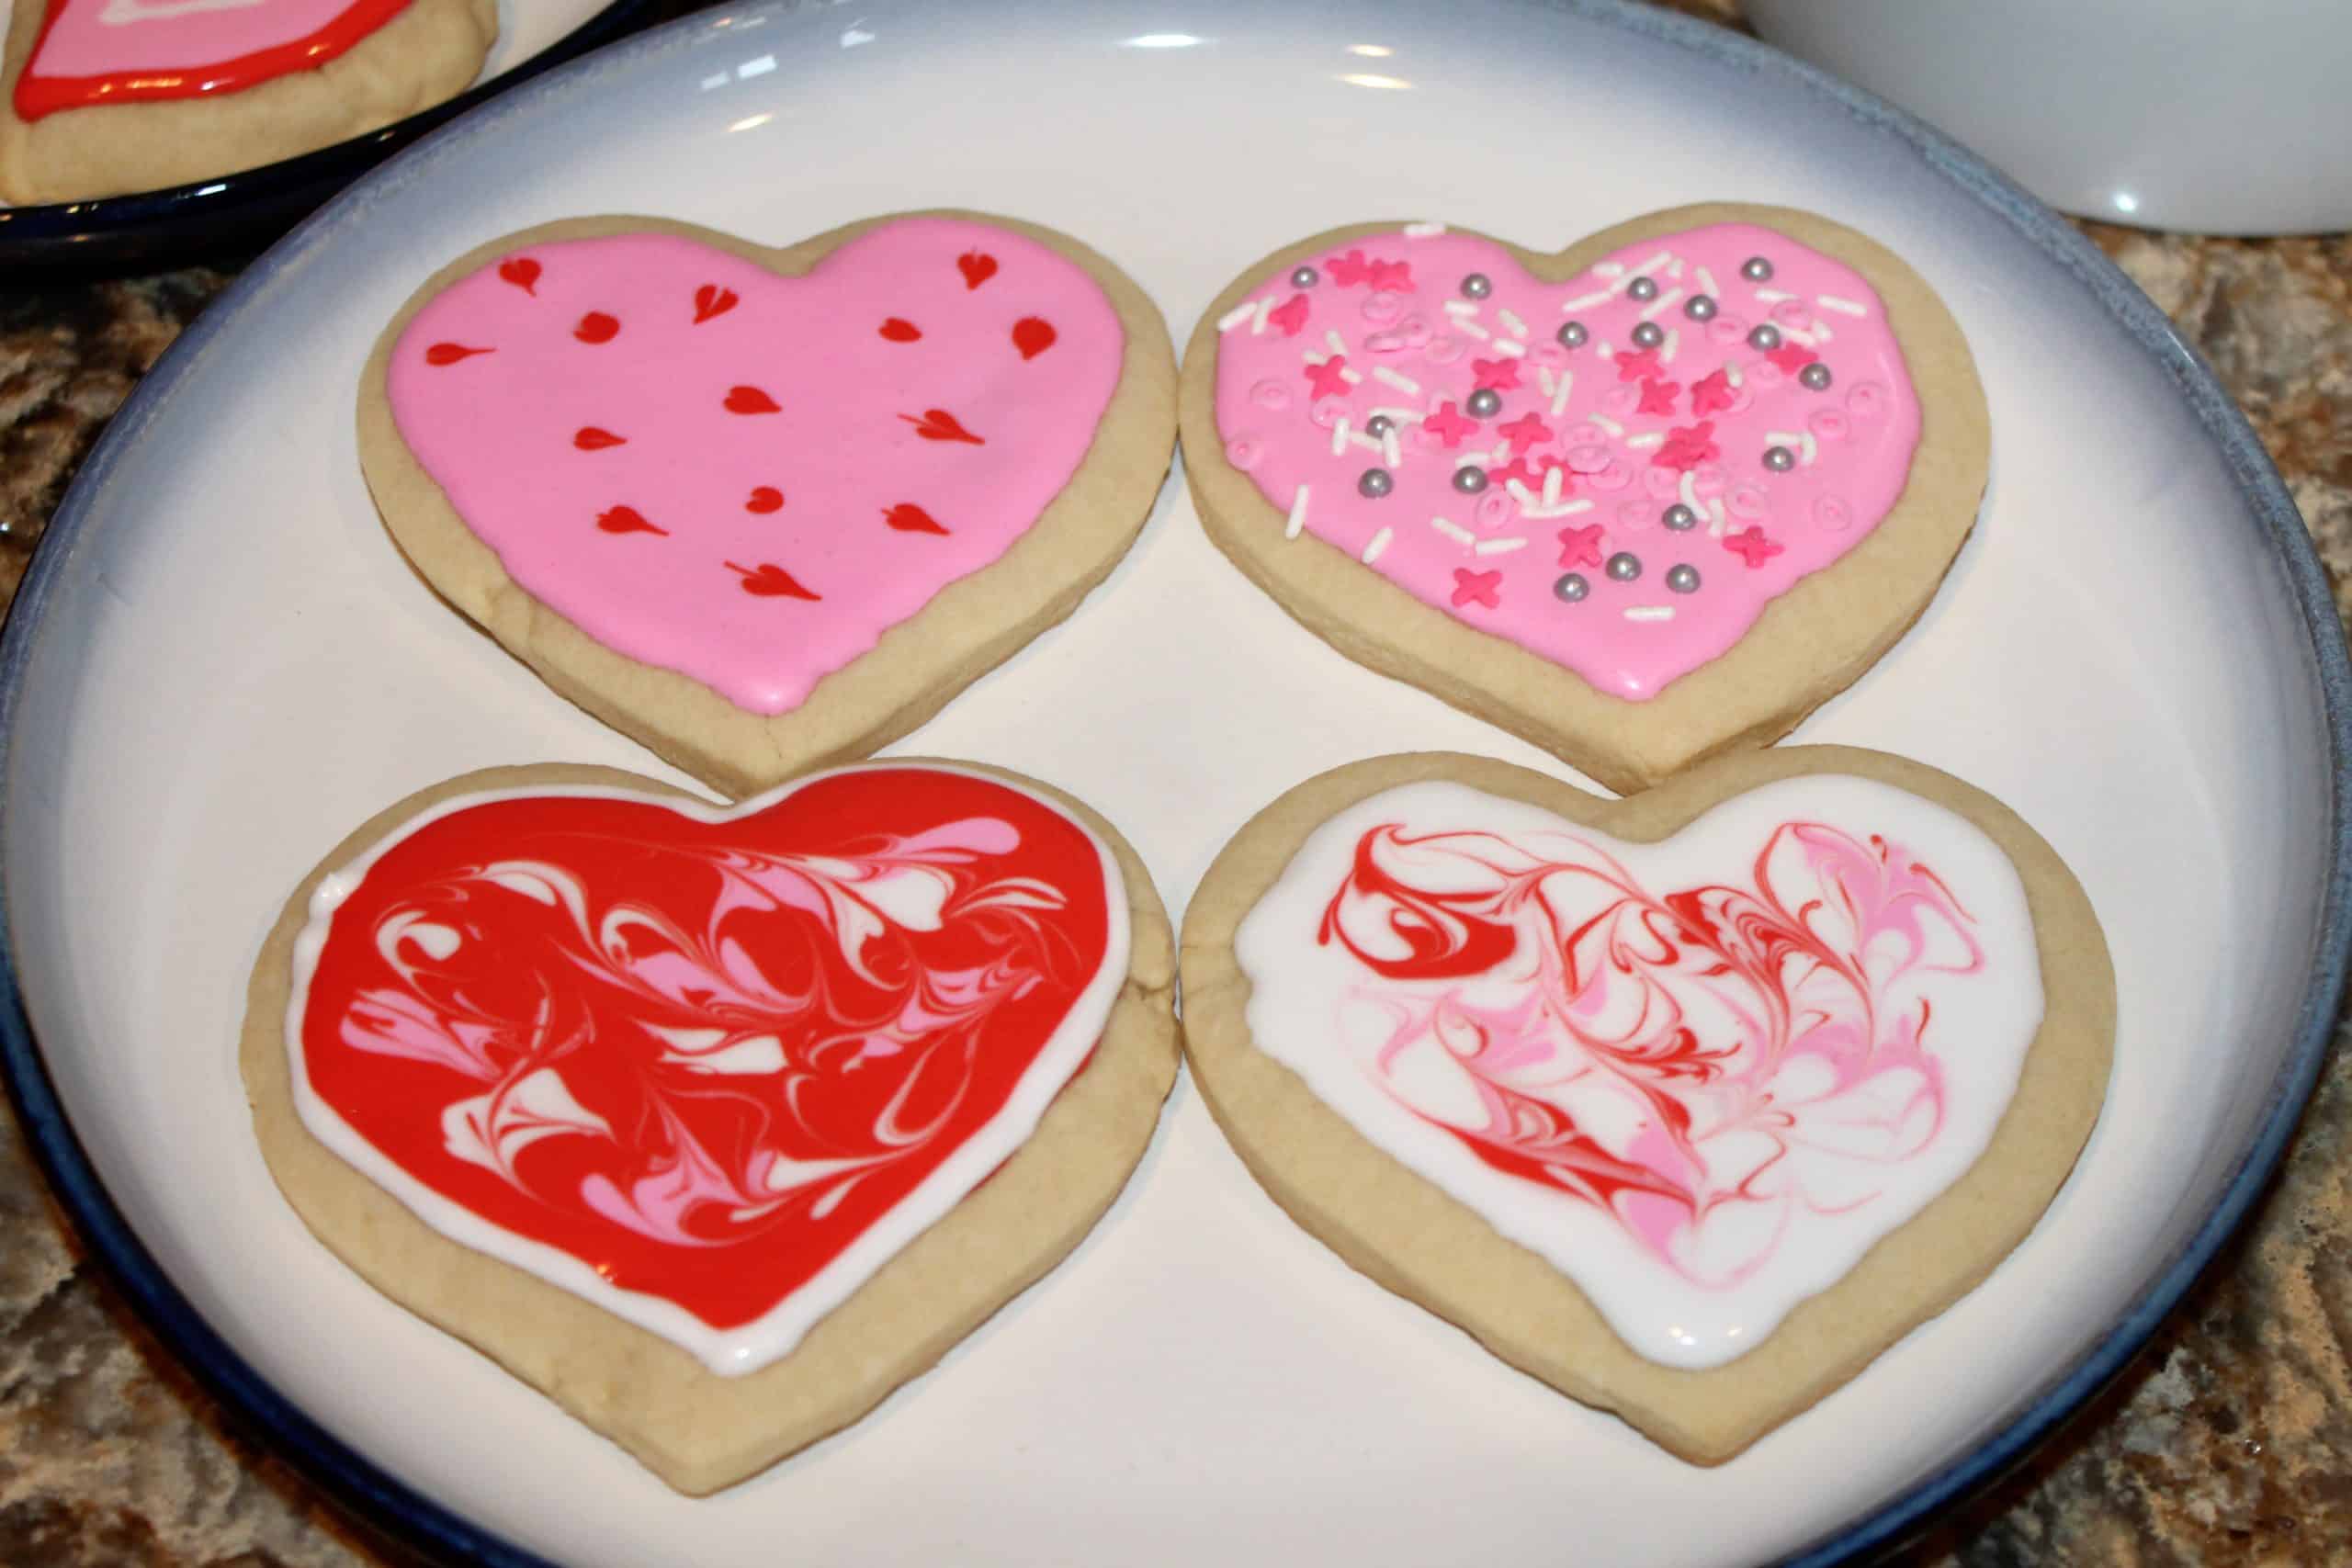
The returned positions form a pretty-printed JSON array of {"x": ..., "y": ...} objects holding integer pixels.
[
  {"x": 706, "y": 1056},
  {"x": 123, "y": 51},
  {"x": 1586, "y": 445},
  {"x": 1743, "y": 1056}
]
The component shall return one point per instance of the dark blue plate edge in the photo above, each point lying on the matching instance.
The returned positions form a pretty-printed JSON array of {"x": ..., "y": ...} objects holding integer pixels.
[
  {"x": 205, "y": 216},
  {"x": 404, "y": 1515}
]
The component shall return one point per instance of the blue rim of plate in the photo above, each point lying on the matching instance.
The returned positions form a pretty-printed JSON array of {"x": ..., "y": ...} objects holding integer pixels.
[
  {"x": 389, "y": 1506},
  {"x": 206, "y": 216}
]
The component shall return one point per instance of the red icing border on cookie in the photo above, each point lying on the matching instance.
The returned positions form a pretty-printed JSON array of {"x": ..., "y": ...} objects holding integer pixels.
[{"x": 36, "y": 96}]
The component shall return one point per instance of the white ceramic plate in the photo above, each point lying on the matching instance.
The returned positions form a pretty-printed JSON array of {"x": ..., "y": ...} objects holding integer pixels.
[{"x": 222, "y": 664}]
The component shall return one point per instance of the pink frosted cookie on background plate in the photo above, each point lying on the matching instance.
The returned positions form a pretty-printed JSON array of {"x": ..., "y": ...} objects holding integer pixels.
[
  {"x": 99, "y": 97},
  {"x": 1688, "y": 1103},
  {"x": 715, "y": 1125},
  {"x": 1651, "y": 497},
  {"x": 765, "y": 509}
]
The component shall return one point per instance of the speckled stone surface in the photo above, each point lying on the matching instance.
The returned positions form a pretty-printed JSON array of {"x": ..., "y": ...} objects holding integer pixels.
[{"x": 2230, "y": 1442}]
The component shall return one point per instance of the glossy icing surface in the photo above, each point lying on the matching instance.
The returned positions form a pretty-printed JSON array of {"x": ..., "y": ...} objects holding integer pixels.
[
  {"x": 708, "y": 1071},
  {"x": 103, "y": 51},
  {"x": 1527, "y": 481},
  {"x": 748, "y": 478},
  {"x": 1700, "y": 1078}
]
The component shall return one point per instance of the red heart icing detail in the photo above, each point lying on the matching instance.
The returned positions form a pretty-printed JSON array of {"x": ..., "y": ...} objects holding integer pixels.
[
  {"x": 771, "y": 582},
  {"x": 1033, "y": 335},
  {"x": 909, "y": 518},
  {"x": 698, "y": 1057},
  {"x": 589, "y": 439},
  {"x": 712, "y": 300},
  {"x": 451, "y": 353},
  {"x": 898, "y": 330},
  {"x": 627, "y": 520},
  {"x": 938, "y": 424},
  {"x": 520, "y": 271},
  {"x": 977, "y": 267},
  {"x": 596, "y": 327},
  {"x": 949, "y": 422},
  {"x": 764, "y": 498}
]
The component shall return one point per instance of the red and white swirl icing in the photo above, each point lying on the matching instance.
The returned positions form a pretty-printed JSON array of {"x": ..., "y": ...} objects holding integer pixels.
[
  {"x": 1589, "y": 445},
  {"x": 707, "y": 1069},
  {"x": 748, "y": 478},
  {"x": 1701, "y": 1077},
  {"x": 117, "y": 52}
]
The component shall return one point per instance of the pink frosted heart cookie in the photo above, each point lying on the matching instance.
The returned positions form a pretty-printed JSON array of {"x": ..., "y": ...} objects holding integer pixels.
[
  {"x": 1654, "y": 496},
  {"x": 1688, "y": 1103},
  {"x": 98, "y": 97},
  {"x": 713, "y": 1124},
  {"x": 765, "y": 509}
]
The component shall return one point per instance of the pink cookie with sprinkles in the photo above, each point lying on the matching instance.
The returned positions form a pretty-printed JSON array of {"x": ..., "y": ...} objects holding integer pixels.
[
  {"x": 1644, "y": 501},
  {"x": 767, "y": 510}
]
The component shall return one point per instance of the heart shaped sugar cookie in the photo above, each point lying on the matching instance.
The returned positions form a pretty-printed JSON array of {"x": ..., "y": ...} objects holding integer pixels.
[
  {"x": 713, "y": 1124},
  {"x": 766, "y": 509},
  {"x": 104, "y": 97},
  {"x": 1649, "y": 499},
  {"x": 1688, "y": 1103}
]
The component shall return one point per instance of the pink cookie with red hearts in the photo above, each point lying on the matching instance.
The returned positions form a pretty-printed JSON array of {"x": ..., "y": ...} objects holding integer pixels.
[
  {"x": 764, "y": 509},
  {"x": 1643, "y": 501},
  {"x": 714, "y": 1125}
]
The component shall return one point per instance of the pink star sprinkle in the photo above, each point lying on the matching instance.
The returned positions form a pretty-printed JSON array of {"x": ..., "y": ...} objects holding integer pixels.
[
  {"x": 1392, "y": 274},
  {"x": 1637, "y": 366},
  {"x": 1751, "y": 547},
  {"x": 1581, "y": 547},
  {"x": 1476, "y": 588},
  {"x": 1687, "y": 446},
  {"x": 1497, "y": 374},
  {"x": 1450, "y": 425},
  {"x": 1348, "y": 269},
  {"x": 1290, "y": 315},
  {"x": 1658, "y": 396},
  {"x": 1710, "y": 394},
  {"x": 1328, "y": 381},
  {"x": 1525, "y": 431},
  {"x": 1793, "y": 356}
]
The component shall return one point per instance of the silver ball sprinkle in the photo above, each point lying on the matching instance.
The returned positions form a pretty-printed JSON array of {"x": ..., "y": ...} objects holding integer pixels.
[
  {"x": 1571, "y": 587},
  {"x": 1683, "y": 579},
  {"x": 1305, "y": 277},
  {"x": 1376, "y": 482},
  {"x": 1679, "y": 518},
  {"x": 1699, "y": 306},
  {"x": 1643, "y": 288},
  {"x": 1816, "y": 377},
  {"x": 1572, "y": 334},
  {"x": 1780, "y": 459},
  {"x": 1470, "y": 479},
  {"x": 1756, "y": 269},
  {"x": 1484, "y": 402},
  {"x": 1378, "y": 425},
  {"x": 1766, "y": 337},
  {"x": 1625, "y": 566},
  {"x": 1647, "y": 334},
  {"x": 1476, "y": 285}
]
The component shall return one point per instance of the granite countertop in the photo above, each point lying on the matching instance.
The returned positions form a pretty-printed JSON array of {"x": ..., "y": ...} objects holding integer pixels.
[{"x": 2229, "y": 1442}]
